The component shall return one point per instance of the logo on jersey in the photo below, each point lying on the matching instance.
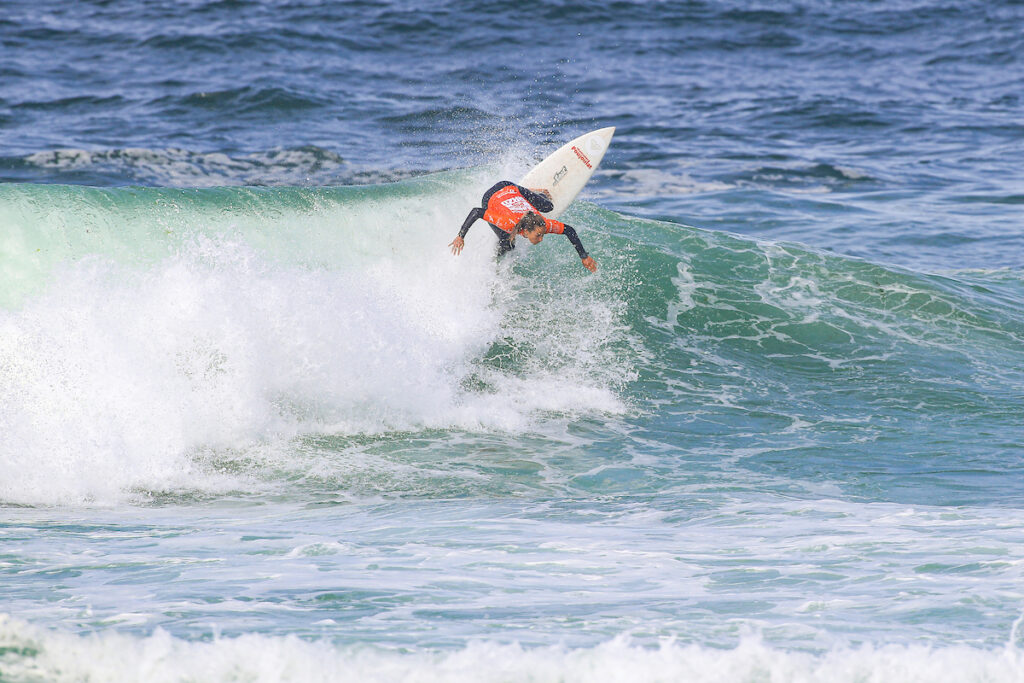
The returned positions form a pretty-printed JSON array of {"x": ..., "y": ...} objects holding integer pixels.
[
  {"x": 517, "y": 204},
  {"x": 582, "y": 156}
]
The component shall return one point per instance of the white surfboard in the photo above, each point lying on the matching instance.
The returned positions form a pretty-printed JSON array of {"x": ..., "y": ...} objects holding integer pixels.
[{"x": 566, "y": 170}]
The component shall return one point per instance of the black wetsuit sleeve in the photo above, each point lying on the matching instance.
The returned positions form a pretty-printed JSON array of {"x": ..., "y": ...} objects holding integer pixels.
[
  {"x": 575, "y": 239},
  {"x": 539, "y": 201},
  {"x": 476, "y": 213}
]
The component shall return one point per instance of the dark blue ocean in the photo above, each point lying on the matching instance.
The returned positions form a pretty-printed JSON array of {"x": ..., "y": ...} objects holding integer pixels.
[{"x": 257, "y": 423}]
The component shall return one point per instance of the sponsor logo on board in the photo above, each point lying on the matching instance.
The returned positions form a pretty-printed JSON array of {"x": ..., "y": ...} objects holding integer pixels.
[
  {"x": 582, "y": 156},
  {"x": 561, "y": 173}
]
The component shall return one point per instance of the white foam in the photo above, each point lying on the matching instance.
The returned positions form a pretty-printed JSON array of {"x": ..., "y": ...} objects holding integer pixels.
[
  {"x": 124, "y": 377},
  {"x": 32, "y": 653}
]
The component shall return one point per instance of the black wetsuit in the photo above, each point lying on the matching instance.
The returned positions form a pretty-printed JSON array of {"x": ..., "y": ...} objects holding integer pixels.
[{"x": 539, "y": 202}]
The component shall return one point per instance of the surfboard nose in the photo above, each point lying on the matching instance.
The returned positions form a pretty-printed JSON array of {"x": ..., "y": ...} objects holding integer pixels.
[{"x": 565, "y": 171}]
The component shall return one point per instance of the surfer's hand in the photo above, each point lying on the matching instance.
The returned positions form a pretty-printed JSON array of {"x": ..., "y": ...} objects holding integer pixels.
[
  {"x": 457, "y": 244},
  {"x": 590, "y": 264}
]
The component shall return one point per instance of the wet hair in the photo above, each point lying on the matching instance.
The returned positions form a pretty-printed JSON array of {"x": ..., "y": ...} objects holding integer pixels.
[{"x": 531, "y": 221}]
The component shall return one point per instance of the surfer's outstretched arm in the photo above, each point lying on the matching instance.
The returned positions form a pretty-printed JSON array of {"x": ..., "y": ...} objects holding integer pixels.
[
  {"x": 473, "y": 216},
  {"x": 459, "y": 242},
  {"x": 588, "y": 263}
]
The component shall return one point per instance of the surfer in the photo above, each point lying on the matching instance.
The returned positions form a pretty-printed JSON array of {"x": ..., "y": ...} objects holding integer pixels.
[{"x": 512, "y": 210}]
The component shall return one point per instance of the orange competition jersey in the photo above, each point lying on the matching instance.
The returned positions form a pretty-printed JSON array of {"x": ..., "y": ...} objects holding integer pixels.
[{"x": 507, "y": 206}]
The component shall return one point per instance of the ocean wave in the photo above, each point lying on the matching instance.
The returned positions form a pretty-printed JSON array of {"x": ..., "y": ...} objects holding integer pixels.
[
  {"x": 30, "y": 653},
  {"x": 153, "y": 337}
]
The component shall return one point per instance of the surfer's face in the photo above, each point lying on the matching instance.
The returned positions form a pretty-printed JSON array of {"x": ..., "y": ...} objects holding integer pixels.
[{"x": 535, "y": 236}]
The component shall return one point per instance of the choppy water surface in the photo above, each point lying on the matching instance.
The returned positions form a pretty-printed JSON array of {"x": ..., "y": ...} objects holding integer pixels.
[{"x": 258, "y": 422}]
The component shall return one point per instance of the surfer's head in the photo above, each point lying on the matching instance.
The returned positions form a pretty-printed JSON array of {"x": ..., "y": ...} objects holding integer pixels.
[{"x": 532, "y": 227}]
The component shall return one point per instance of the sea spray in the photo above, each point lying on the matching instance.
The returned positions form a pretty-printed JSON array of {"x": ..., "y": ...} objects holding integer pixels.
[{"x": 171, "y": 325}]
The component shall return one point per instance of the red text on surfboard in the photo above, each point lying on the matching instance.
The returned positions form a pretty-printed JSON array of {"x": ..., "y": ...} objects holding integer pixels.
[{"x": 582, "y": 156}]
